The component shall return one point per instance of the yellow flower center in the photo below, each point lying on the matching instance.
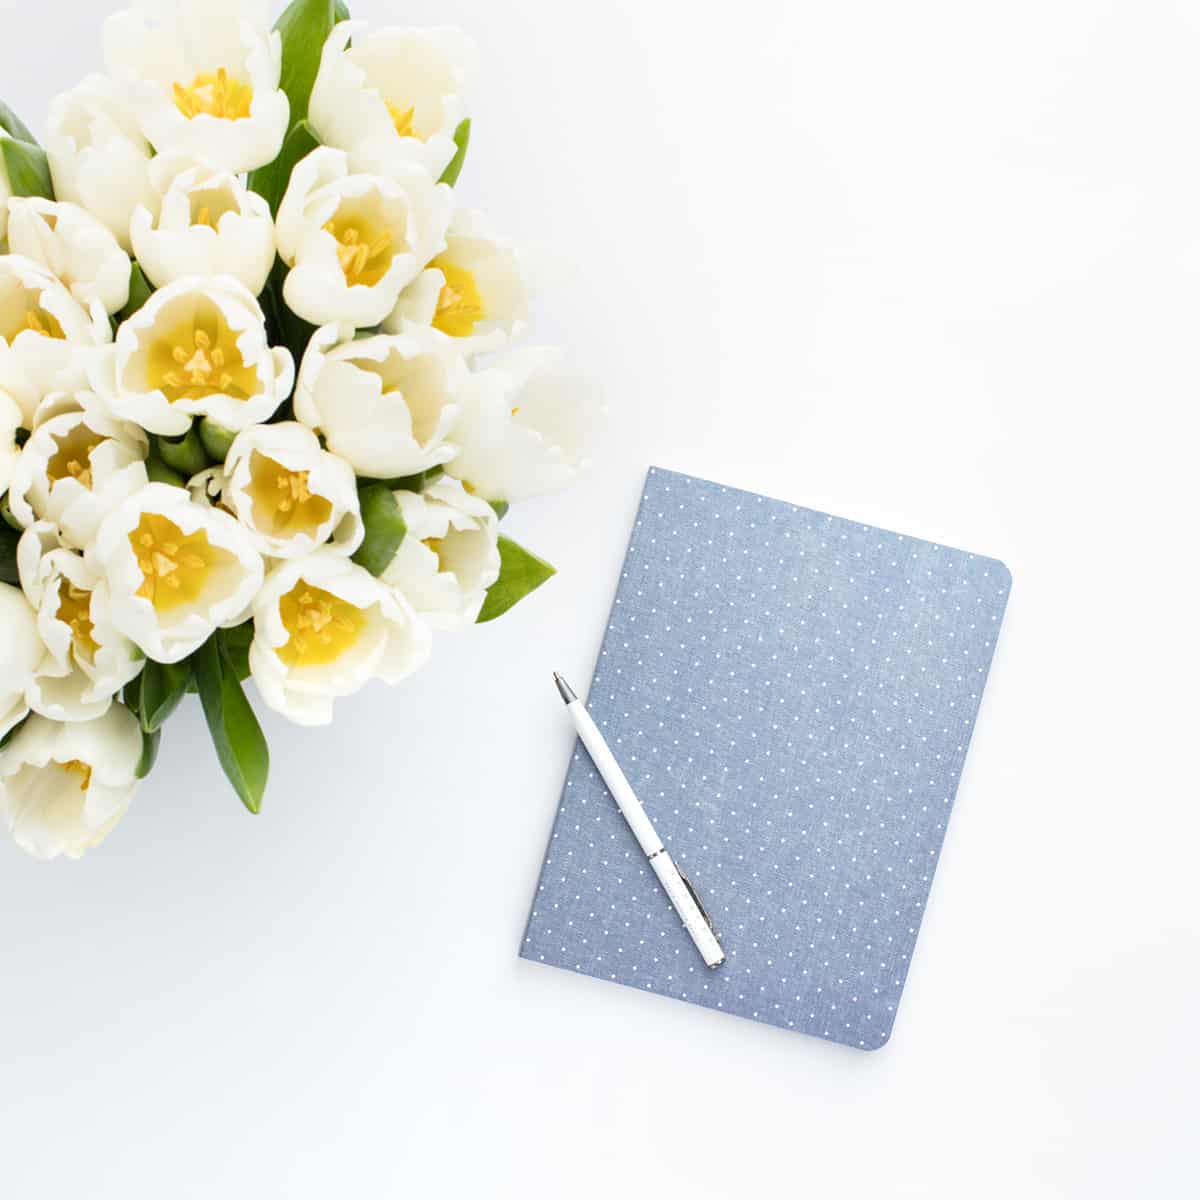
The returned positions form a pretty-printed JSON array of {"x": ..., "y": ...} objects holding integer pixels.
[
  {"x": 214, "y": 94},
  {"x": 35, "y": 319},
  {"x": 283, "y": 503},
  {"x": 402, "y": 119},
  {"x": 362, "y": 251},
  {"x": 77, "y": 770},
  {"x": 175, "y": 566},
  {"x": 209, "y": 205},
  {"x": 75, "y": 611},
  {"x": 459, "y": 304},
  {"x": 321, "y": 626},
  {"x": 72, "y": 458},
  {"x": 200, "y": 358}
]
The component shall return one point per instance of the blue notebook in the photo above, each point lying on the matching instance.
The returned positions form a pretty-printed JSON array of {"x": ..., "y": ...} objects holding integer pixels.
[{"x": 791, "y": 695}]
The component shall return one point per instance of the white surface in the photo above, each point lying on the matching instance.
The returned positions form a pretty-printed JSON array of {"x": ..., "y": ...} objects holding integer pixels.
[{"x": 934, "y": 266}]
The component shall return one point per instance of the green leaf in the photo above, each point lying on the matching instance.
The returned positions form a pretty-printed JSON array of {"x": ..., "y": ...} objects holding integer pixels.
[
  {"x": 286, "y": 327},
  {"x": 340, "y": 12},
  {"x": 7, "y": 517},
  {"x": 411, "y": 483},
  {"x": 140, "y": 290},
  {"x": 185, "y": 454},
  {"x": 520, "y": 574},
  {"x": 28, "y": 170},
  {"x": 14, "y": 126},
  {"x": 216, "y": 440},
  {"x": 12, "y": 733},
  {"x": 271, "y": 181},
  {"x": 159, "y": 472},
  {"x": 236, "y": 733},
  {"x": 462, "y": 139},
  {"x": 500, "y": 508},
  {"x": 303, "y": 27},
  {"x": 8, "y": 556},
  {"x": 150, "y": 743},
  {"x": 236, "y": 644},
  {"x": 132, "y": 697},
  {"x": 163, "y": 686},
  {"x": 384, "y": 525}
]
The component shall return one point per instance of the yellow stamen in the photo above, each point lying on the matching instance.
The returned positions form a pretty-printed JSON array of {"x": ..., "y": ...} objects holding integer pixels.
[
  {"x": 75, "y": 611},
  {"x": 72, "y": 458},
  {"x": 364, "y": 259},
  {"x": 195, "y": 360},
  {"x": 402, "y": 119},
  {"x": 459, "y": 305},
  {"x": 176, "y": 567},
  {"x": 209, "y": 205},
  {"x": 321, "y": 626},
  {"x": 214, "y": 94},
  {"x": 283, "y": 503},
  {"x": 35, "y": 320},
  {"x": 80, "y": 770}
]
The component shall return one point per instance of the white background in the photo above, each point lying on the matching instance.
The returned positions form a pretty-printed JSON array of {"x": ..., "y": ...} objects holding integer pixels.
[{"x": 930, "y": 265}]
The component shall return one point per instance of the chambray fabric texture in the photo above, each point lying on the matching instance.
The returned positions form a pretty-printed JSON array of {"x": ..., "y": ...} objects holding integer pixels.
[{"x": 791, "y": 696}]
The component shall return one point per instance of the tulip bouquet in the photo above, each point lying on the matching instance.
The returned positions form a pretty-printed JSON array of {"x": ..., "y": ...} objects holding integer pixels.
[{"x": 262, "y": 405}]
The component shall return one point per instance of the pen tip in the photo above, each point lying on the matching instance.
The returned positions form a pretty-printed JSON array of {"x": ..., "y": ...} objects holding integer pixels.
[{"x": 564, "y": 689}]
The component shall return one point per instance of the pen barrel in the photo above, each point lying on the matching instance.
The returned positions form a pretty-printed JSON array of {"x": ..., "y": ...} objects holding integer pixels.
[
  {"x": 687, "y": 908},
  {"x": 673, "y": 882},
  {"x": 614, "y": 778}
]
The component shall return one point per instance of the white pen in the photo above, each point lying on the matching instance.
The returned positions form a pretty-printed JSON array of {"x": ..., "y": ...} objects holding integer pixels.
[{"x": 675, "y": 883}]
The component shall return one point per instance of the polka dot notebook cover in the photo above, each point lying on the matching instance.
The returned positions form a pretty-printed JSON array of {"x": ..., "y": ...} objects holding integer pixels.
[{"x": 791, "y": 695}]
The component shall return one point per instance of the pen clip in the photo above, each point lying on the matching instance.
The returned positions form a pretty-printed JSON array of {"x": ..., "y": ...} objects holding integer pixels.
[{"x": 687, "y": 883}]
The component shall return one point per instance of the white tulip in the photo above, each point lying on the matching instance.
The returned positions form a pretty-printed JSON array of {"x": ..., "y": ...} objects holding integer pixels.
[
  {"x": 205, "y": 222},
  {"x": 197, "y": 347},
  {"x": 323, "y": 627},
  {"x": 206, "y": 487},
  {"x": 203, "y": 77},
  {"x": 20, "y": 652},
  {"x": 355, "y": 241},
  {"x": 289, "y": 493},
  {"x": 63, "y": 787},
  {"x": 385, "y": 404},
  {"x": 47, "y": 340},
  {"x": 524, "y": 426},
  {"x": 98, "y": 156},
  {"x": 176, "y": 570},
  {"x": 57, "y": 403},
  {"x": 474, "y": 291},
  {"x": 449, "y": 556},
  {"x": 73, "y": 246},
  {"x": 75, "y": 469},
  {"x": 86, "y": 660},
  {"x": 10, "y": 452},
  {"x": 395, "y": 97}
]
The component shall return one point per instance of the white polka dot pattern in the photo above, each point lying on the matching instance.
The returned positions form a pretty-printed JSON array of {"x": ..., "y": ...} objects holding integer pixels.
[{"x": 791, "y": 696}]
